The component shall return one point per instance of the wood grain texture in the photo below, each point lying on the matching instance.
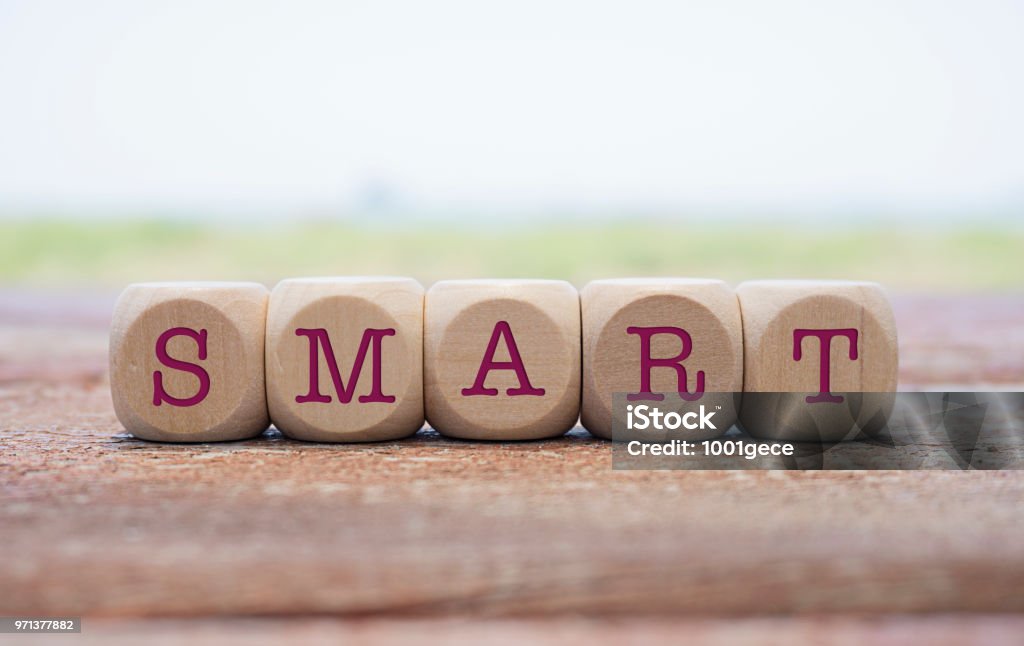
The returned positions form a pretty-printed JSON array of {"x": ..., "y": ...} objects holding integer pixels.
[
  {"x": 223, "y": 398},
  {"x": 344, "y": 309},
  {"x": 428, "y": 525},
  {"x": 705, "y": 311},
  {"x": 489, "y": 541},
  {"x": 532, "y": 324},
  {"x": 782, "y": 324}
]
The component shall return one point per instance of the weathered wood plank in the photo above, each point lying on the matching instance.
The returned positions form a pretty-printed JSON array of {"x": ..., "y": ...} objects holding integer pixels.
[
  {"x": 97, "y": 523},
  {"x": 935, "y": 630}
]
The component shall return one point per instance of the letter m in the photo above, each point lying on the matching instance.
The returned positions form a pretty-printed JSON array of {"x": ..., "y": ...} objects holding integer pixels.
[{"x": 319, "y": 337}]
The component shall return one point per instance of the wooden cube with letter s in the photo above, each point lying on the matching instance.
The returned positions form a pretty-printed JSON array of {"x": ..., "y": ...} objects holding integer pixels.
[{"x": 186, "y": 361}]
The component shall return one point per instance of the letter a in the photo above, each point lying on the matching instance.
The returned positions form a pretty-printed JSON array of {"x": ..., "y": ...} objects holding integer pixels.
[
  {"x": 159, "y": 394},
  {"x": 515, "y": 363},
  {"x": 318, "y": 337}
]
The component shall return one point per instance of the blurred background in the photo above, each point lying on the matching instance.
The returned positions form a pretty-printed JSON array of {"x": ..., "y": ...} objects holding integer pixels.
[{"x": 564, "y": 139}]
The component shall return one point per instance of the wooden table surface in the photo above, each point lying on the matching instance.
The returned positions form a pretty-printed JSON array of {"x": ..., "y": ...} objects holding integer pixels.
[{"x": 468, "y": 542}]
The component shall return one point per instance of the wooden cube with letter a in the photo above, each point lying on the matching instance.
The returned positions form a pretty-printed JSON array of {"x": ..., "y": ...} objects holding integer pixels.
[
  {"x": 345, "y": 358},
  {"x": 502, "y": 358},
  {"x": 820, "y": 359},
  {"x": 674, "y": 343},
  {"x": 186, "y": 361}
]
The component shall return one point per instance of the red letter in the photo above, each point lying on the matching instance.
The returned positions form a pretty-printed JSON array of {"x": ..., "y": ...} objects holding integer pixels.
[
  {"x": 647, "y": 363},
  {"x": 825, "y": 343},
  {"x": 502, "y": 329},
  {"x": 319, "y": 336},
  {"x": 159, "y": 394}
]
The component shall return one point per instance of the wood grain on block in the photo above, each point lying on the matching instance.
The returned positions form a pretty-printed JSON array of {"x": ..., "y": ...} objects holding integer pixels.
[
  {"x": 345, "y": 358},
  {"x": 820, "y": 359},
  {"x": 502, "y": 358},
  {"x": 186, "y": 361},
  {"x": 651, "y": 337}
]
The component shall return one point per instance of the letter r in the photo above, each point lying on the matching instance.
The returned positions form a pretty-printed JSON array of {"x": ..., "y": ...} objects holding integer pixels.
[{"x": 648, "y": 363}]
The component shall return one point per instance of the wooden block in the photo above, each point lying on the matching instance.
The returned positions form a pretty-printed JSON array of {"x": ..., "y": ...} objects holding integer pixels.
[
  {"x": 186, "y": 361},
  {"x": 502, "y": 358},
  {"x": 650, "y": 336},
  {"x": 345, "y": 358},
  {"x": 822, "y": 343}
]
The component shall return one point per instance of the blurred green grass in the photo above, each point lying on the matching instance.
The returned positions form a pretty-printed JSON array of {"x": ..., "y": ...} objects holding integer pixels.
[{"x": 101, "y": 253}]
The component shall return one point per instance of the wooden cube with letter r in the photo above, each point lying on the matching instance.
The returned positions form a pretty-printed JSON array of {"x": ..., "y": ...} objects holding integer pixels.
[
  {"x": 345, "y": 358},
  {"x": 671, "y": 343},
  {"x": 186, "y": 361},
  {"x": 502, "y": 358}
]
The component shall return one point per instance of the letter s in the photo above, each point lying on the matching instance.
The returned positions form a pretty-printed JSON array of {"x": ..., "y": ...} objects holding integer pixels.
[{"x": 159, "y": 394}]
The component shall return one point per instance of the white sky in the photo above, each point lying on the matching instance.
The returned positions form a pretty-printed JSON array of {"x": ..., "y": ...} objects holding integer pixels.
[{"x": 318, "y": 105}]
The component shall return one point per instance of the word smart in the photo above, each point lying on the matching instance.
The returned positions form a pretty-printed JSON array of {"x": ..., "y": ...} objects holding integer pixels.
[{"x": 362, "y": 359}]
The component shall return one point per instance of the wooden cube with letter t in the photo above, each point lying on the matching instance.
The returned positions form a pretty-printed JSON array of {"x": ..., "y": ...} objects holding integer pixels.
[
  {"x": 674, "y": 343},
  {"x": 186, "y": 361},
  {"x": 502, "y": 358},
  {"x": 820, "y": 359},
  {"x": 345, "y": 358}
]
